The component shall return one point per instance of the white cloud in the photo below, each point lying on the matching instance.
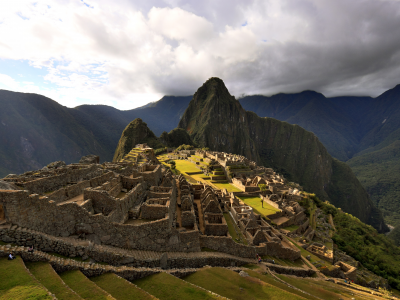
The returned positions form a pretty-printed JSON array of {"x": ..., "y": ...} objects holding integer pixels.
[{"x": 125, "y": 53}]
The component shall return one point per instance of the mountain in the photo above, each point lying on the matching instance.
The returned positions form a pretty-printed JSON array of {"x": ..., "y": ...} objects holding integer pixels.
[
  {"x": 137, "y": 132},
  {"x": 35, "y": 130},
  {"x": 331, "y": 119},
  {"x": 216, "y": 120}
]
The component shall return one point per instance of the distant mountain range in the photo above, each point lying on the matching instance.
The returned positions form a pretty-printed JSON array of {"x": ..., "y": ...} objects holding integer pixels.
[{"x": 35, "y": 130}]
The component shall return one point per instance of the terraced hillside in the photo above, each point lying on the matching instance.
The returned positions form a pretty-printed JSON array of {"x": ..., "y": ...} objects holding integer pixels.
[{"x": 38, "y": 280}]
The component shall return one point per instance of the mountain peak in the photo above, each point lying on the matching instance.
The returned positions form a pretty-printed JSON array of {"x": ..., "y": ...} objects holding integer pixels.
[{"x": 135, "y": 133}]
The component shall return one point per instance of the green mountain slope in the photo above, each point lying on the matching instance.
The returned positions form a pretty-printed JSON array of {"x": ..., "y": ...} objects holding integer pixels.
[
  {"x": 379, "y": 173},
  {"x": 216, "y": 120},
  {"x": 35, "y": 130},
  {"x": 331, "y": 120}
]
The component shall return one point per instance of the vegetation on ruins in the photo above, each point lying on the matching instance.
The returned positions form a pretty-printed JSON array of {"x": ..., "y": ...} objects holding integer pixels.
[{"x": 361, "y": 241}]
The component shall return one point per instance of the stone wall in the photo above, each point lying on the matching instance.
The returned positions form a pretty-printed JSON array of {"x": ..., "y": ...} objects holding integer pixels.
[
  {"x": 77, "y": 189},
  {"x": 53, "y": 183},
  {"x": 152, "y": 177},
  {"x": 188, "y": 218},
  {"x": 97, "y": 181},
  {"x": 38, "y": 213},
  {"x": 129, "y": 183},
  {"x": 278, "y": 250},
  {"x": 227, "y": 245},
  {"x": 154, "y": 211},
  {"x": 272, "y": 203}
]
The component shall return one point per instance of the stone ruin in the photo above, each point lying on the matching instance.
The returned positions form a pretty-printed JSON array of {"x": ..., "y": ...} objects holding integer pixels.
[{"x": 133, "y": 206}]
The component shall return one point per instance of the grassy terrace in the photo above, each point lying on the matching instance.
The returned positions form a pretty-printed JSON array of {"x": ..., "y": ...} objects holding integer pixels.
[
  {"x": 272, "y": 281},
  {"x": 322, "y": 289},
  {"x": 185, "y": 166},
  {"x": 119, "y": 288},
  {"x": 17, "y": 283},
  {"x": 83, "y": 286},
  {"x": 46, "y": 275},
  {"x": 231, "y": 228},
  {"x": 167, "y": 287},
  {"x": 230, "y": 284},
  {"x": 228, "y": 186},
  {"x": 255, "y": 203}
]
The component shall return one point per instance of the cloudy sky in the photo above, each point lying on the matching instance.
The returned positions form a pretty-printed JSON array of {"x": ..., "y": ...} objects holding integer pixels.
[{"x": 126, "y": 53}]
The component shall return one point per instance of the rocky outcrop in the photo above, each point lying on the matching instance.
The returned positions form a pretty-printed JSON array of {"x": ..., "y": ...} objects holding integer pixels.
[{"x": 216, "y": 120}]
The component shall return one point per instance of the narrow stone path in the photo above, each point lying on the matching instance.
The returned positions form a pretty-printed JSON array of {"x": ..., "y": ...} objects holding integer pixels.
[{"x": 200, "y": 210}]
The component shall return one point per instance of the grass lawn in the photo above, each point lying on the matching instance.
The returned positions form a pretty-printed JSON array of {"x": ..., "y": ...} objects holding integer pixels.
[
  {"x": 167, "y": 287},
  {"x": 16, "y": 282},
  {"x": 46, "y": 275},
  {"x": 231, "y": 228},
  {"x": 255, "y": 203},
  {"x": 119, "y": 288},
  {"x": 228, "y": 186},
  {"x": 184, "y": 166},
  {"x": 83, "y": 286},
  {"x": 230, "y": 284}
]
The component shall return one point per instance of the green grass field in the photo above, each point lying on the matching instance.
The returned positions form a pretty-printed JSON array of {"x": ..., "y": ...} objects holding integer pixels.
[
  {"x": 184, "y": 166},
  {"x": 255, "y": 203},
  {"x": 228, "y": 186},
  {"x": 83, "y": 286},
  {"x": 230, "y": 284},
  {"x": 46, "y": 275},
  {"x": 119, "y": 288},
  {"x": 16, "y": 282},
  {"x": 168, "y": 287}
]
